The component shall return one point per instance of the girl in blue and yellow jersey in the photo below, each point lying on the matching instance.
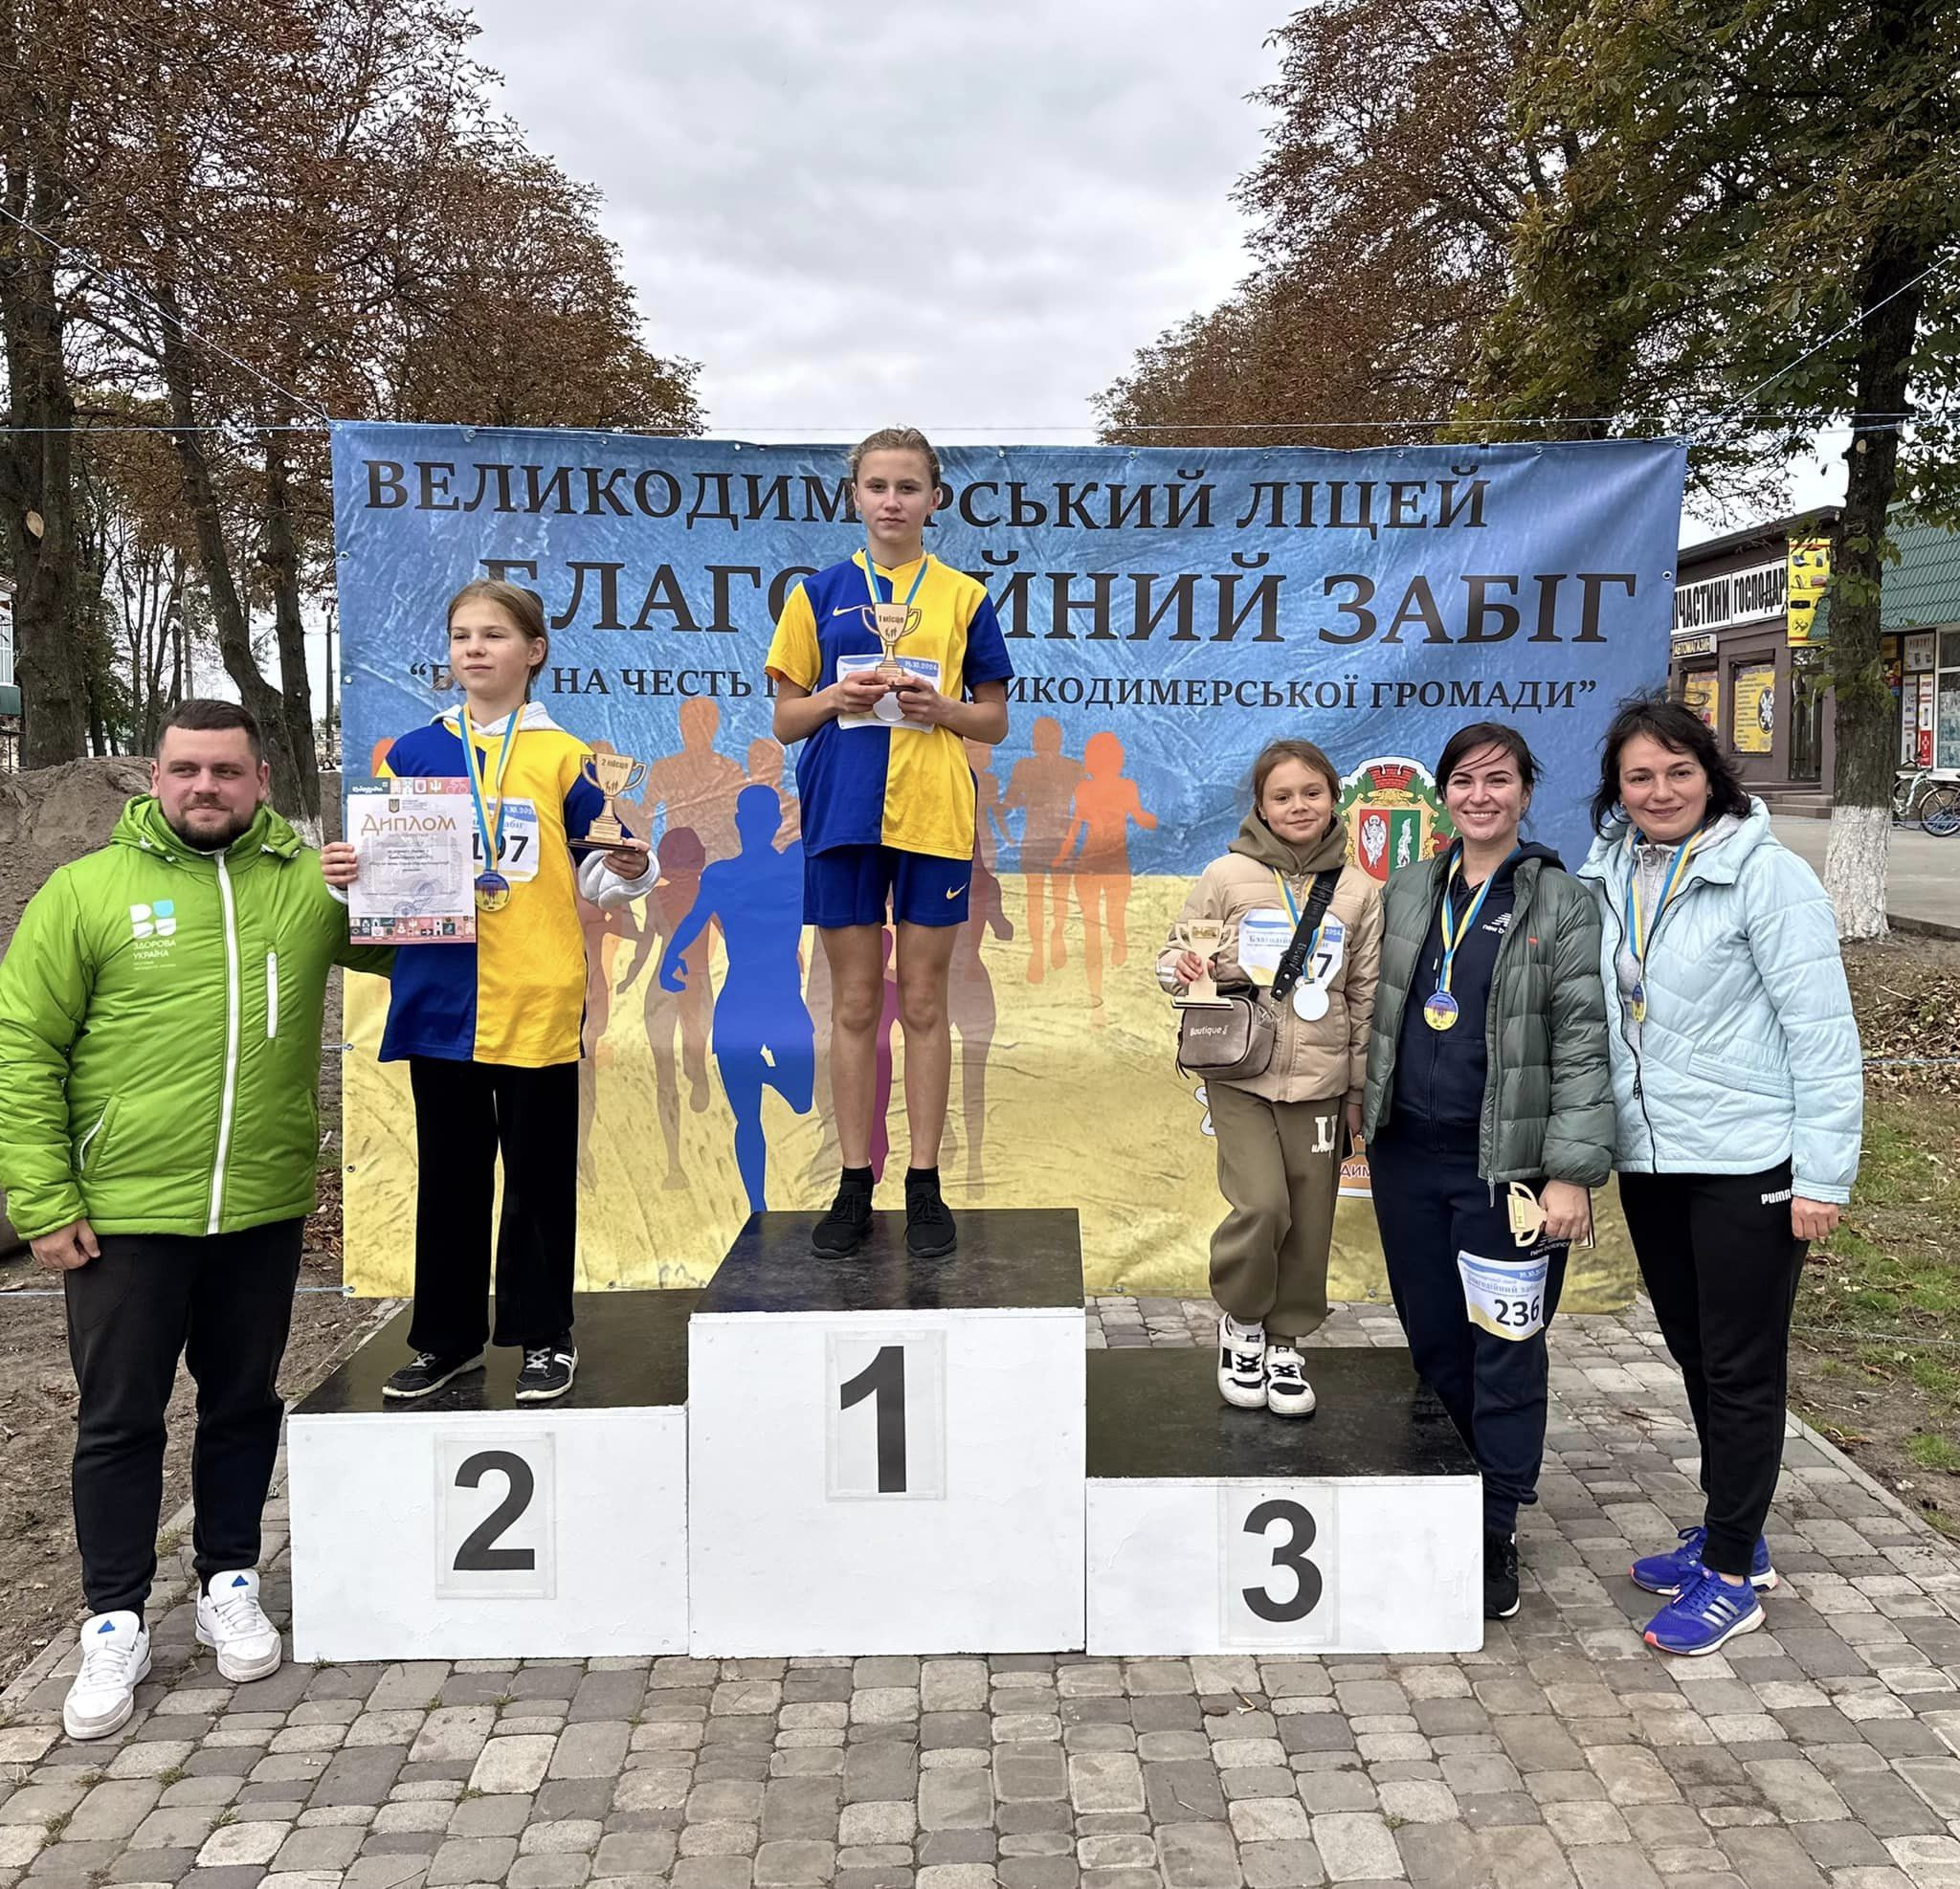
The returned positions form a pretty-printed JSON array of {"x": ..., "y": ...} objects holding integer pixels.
[
  {"x": 490, "y": 1031},
  {"x": 888, "y": 804}
]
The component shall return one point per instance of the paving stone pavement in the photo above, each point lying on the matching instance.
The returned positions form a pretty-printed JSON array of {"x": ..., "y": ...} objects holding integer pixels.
[{"x": 1821, "y": 1750}]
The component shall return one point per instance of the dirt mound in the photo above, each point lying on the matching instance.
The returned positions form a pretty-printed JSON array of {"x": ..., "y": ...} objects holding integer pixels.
[{"x": 52, "y": 816}]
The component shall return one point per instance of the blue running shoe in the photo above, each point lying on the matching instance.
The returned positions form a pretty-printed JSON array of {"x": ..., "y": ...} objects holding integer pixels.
[
  {"x": 1708, "y": 1615},
  {"x": 1668, "y": 1573}
]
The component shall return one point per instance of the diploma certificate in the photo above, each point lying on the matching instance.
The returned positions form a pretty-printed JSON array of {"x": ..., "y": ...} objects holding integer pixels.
[{"x": 412, "y": 838}]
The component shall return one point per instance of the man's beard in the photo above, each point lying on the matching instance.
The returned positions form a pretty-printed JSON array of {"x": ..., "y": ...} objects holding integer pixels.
[{"x": 214, "y": 839}]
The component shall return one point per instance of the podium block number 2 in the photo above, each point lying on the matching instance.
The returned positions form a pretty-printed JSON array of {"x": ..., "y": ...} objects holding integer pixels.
[
  {"x": 884, "y": 1431},
  {"x": 1276, "y": 1566},
  {"x": 494, "y": 1514}
]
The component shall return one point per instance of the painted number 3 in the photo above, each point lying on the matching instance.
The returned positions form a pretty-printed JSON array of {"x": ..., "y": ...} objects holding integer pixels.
[
  {"x": 1289, "y": 1555},
  {"x": 479, "y": 1553}
]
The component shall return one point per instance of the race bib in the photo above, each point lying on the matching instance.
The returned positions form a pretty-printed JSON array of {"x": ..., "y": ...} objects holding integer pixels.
[
  {"x": 1329, "y": 952},
  {"x": 1264, "y": 937},
  {"x": 520, "y": 856},
  {"x": 1504, "y": 1296}
]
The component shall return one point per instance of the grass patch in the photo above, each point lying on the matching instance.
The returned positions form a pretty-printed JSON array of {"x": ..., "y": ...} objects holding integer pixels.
[
  {"x": 1934, "y": 1452},
  {"x": 1873, "y": 1362},
  {"x": 1890, "y": 1275}
]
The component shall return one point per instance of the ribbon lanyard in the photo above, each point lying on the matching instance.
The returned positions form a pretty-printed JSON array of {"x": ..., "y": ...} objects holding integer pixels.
[
  {"x": 1454, "y": 934},
  {"x": 1638, "y": 935},
  {"x": 1293, "y": 910},
  {"x": 489, "y": 825},
  {"x": 871, "y": 577}
]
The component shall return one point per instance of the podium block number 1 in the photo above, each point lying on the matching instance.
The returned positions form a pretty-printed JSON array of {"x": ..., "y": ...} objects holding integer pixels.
[
  {"x": 495, "y": 1516},
  {"x": 884, "y": 1431},
  {"x": 1277, "y": 1566}
]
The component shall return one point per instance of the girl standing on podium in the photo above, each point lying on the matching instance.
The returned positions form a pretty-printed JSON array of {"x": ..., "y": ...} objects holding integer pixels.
[
  {"x": 1280, "y": 1134},
  {"x": 490, "y": 1031},
  {"x": 1487, "y": 1066},
  {"x": 888, "y": 806}
]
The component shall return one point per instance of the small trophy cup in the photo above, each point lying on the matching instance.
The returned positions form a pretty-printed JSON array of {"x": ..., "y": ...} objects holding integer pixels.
[
  {"x": 891, "y": 624},
  {"x": 613, "y": 774},
  {"x": 1204, "y": 937},
  {"x": 1528, "y": 1217}
]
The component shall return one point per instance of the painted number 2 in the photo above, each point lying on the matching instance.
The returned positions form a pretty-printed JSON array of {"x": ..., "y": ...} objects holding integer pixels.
[
  {"x": 496, "y": 1516},
  {"x": 884, "y": 1379},
  {"x": 479, "y": 1553},
  {"x": 1289, "y": 1556}
]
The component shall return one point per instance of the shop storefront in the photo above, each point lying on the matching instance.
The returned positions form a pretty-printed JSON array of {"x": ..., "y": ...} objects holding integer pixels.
[
  {"x": 1743, "y": 654},
  {"x": 1919, "y": 644}
]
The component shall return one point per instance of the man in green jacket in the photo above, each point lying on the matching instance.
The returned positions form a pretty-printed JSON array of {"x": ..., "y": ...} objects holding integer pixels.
[{"x": 160, "y": 1022}]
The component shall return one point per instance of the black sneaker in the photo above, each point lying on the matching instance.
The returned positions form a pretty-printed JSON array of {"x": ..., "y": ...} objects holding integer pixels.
[
  {"x": 847, "y": 1226},
  {"x": 430, "y": 1371},
  {"x": 1500, "y": 1576},
  {"x": 548, "y": 1371},
  {"x": 929, "y": 1231}
]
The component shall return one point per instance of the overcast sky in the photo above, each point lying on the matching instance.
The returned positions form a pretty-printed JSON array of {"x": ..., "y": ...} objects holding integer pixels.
[
  {"x": 952, "y": 216},
  {"x": 965, "y": 218}
]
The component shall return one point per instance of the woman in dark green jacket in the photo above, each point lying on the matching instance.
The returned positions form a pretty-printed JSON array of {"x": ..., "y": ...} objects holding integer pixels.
[{"x": 1487, "y": 1066}]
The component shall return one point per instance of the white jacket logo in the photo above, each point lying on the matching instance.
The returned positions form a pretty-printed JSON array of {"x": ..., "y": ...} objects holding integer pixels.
[{"x": 158, "y": 920}]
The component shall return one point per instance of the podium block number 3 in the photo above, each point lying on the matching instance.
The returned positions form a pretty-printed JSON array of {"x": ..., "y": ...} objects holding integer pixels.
[
  {"x": 495, "y": 1503},
  {"x": 884, "y": 1431},
  {"x": 1276, "y": 1566}
]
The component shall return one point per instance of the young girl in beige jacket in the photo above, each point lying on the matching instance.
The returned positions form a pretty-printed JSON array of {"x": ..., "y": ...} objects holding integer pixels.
[{"x": 1280, "y": 1133}]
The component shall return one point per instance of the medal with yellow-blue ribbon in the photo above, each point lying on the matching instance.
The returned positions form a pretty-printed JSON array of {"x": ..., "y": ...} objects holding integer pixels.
[
  {"x": 1639, "y": 932},
  {"x": 1443, "y": 1009},
  {"x": 491, "y": 889},
  {"x": 1310, "y": 1000}
]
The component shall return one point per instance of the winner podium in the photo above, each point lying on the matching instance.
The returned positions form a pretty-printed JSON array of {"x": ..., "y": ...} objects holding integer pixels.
[
  {"x": 885, "y": 1454},
  {"x": 468, "y": 1526},
  {"x": 820, "y": 1457}
]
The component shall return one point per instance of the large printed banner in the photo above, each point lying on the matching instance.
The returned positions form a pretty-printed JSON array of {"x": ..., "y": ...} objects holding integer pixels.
[{"x": 1168, "y": 611}]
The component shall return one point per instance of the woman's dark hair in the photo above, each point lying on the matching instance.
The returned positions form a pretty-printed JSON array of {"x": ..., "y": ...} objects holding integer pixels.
[
  {"x": 1675, "y": 725},
  {"x": 1466, "y": 741}
]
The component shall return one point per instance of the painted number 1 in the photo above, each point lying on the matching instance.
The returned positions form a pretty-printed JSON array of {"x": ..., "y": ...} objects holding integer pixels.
[{"x": 884, "y": 1378}]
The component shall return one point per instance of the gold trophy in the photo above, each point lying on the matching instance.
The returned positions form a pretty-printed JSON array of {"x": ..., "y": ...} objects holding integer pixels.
[
  {"x": 1204, "y": 937},
  {"x": 613, "y": 774},
  {"x": 891, "y": 624}
]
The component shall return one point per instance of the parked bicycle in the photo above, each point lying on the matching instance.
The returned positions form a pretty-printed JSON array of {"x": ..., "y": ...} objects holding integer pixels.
[{"x": 1927, "y": 799}]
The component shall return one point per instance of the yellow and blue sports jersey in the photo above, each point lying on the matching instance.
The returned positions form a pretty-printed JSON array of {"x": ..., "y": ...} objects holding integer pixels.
[
  {"x": 517, "y": 995},
  {"x": 881, "y": 786}
]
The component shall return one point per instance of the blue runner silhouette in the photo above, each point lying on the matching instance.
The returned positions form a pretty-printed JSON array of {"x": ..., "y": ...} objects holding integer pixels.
[{"x": 762, "y": 1036}]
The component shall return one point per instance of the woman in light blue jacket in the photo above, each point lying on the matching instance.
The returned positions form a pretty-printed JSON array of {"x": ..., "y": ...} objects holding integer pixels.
[{"x": 1738, "y": 1088}]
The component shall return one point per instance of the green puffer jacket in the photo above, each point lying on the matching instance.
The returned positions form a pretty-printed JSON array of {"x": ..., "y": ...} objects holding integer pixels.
[
  {"x": 1547, "y": 1098},
  {"x": 160, "y": 1021}
]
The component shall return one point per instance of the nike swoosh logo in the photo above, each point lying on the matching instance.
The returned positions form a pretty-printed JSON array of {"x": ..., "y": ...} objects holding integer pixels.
[
  {"x": 956, "y": 891},
  {"x": 847, "y": 609}
]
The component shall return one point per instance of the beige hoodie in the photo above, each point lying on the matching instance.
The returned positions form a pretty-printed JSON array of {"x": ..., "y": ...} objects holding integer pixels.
[{"x": 1326, "y": 1058}]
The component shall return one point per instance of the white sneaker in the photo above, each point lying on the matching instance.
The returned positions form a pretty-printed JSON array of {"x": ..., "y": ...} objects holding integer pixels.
[
  {"x": 1241, "y": 1367},
  {"x": 115, "y": 1660},
  {"x": 1288, "y": 1393},
  {"x": 230, "y": 1619}
]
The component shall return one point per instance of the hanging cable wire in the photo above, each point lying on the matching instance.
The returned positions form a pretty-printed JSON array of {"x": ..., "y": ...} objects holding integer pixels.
[
  {"x": 150, "y": 307},
  {"x": 1858, "y": 321}
]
